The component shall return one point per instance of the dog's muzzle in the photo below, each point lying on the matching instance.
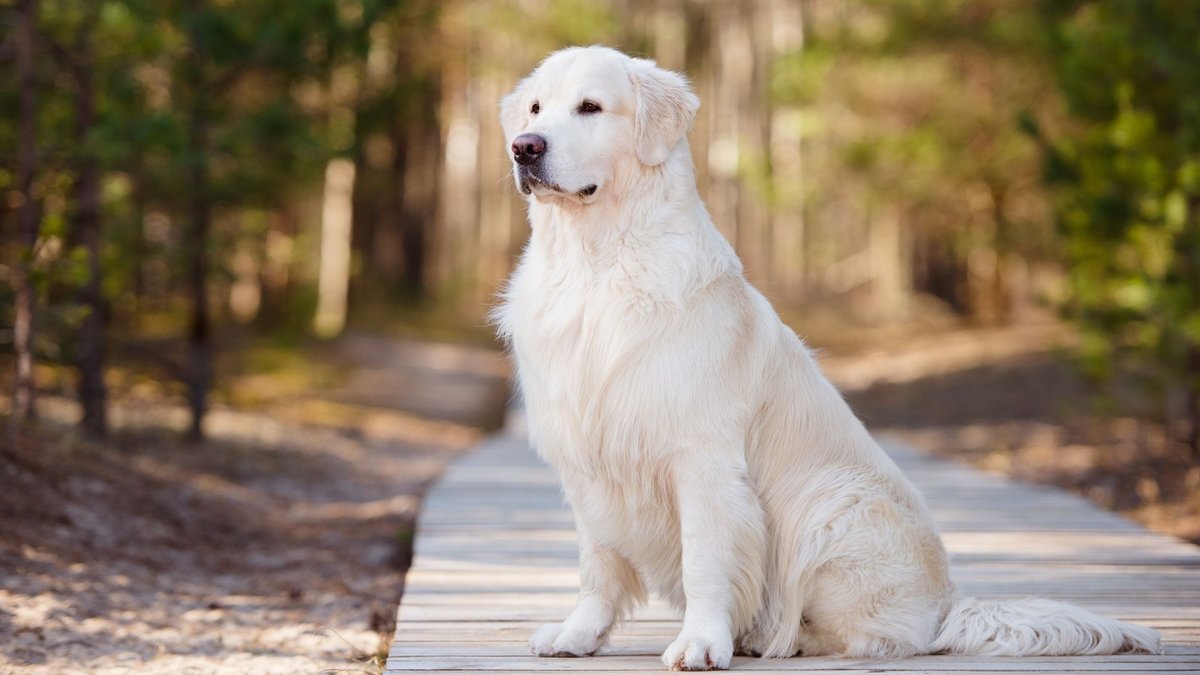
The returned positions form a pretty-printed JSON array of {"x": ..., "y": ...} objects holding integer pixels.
[{"x": 528, "y": 150}]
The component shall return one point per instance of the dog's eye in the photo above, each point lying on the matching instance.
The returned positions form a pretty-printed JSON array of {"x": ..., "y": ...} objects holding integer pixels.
[
  {"x": 589, "y": 107},
  {"x": 537, "y": 108}
]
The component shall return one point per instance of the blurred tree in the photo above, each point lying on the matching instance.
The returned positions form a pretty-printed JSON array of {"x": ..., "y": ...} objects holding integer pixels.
[
  {"x": 75, "y": 56},
  {"x": 858, "y": 154},
  {"x": 247, "y": 141},
  {"x": 100, "y": 124},
  {"x": 201, "y": 25},
  {"x": 93, "y": 393},
  {"x": 378, "y": 108},
  {"x": 911, "y": 110},
  {"x": 24, "y": 395},
  {"x": 1128, "y": 177},
  {"x": 181, "y": 112}
]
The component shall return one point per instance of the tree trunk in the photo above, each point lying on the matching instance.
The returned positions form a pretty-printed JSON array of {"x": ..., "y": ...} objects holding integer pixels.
[
  {"x": 333, "y": 277},
  {"x": 418, "y": 184},
  {"x": 276, "y": 276},
  {"x": 25, "y": 394},
  {"x": 139, "y": 252},
  {"x": 200, "y": 208},
  {"x": 1193, "y": 365},
  {"x": 417, "y": 144},
  {"x": 199, "y": 334},
  {"x": 93, "y": 395},
  {"x": 1192, "y": 391}
]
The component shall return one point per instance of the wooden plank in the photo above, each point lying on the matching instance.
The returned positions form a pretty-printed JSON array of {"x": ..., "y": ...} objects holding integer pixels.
[
  {"x": 495, "y": 556},
  {"x": 498, "y": 636},
  {"x": 651, "y": 648},
  {"x": 640, "y": 663}
]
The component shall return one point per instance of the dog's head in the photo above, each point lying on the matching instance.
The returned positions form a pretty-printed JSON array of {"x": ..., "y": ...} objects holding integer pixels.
[{"x": 588, "y": 115}]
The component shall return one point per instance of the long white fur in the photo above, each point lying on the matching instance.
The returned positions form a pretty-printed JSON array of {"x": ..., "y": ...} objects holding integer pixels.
[{"x": 705, "y": 456}]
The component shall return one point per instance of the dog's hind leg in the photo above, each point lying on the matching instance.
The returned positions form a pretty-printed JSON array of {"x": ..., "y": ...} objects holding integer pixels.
[
  {"x": 609, "y": 587},
  {"x": 883, "y": 599}
]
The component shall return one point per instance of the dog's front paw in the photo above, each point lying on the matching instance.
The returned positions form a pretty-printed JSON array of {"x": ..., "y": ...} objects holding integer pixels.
[
  {"x": 554, "y": 639},
  {"x": 698, "y": 651}
]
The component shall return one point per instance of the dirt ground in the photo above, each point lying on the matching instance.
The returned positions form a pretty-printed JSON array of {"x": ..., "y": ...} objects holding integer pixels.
[
  {"x": 277, "y": 546},
  {"x": 1009, "y": 401}
]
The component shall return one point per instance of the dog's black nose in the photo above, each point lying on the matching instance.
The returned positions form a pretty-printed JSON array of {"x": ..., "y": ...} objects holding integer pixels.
[{"x": 527, "y": 148}]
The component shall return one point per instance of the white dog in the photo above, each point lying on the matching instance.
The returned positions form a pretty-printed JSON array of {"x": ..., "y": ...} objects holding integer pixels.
[{"x": 705, "y": 456}]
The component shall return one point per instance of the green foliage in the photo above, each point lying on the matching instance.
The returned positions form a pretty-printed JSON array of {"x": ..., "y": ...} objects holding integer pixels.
[
  {"x": 263, "y": 82},
  {"x": 1128, "y": 179},
  {"x": 210, "y": 124}
]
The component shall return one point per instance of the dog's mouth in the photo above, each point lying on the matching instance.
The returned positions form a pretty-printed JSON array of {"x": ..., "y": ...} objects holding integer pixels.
[{"x": 530, "y": 182}]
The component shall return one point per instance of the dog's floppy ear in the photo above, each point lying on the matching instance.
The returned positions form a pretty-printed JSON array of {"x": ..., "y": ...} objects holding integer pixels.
[
  {"x": 512, "y": 108},
  {"x": 665, "y": 109}
]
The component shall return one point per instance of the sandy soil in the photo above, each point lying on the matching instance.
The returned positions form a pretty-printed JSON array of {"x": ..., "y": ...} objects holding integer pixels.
[
  {"x": 1010, "y": 402},
  {"x": 278, "y": 546}
]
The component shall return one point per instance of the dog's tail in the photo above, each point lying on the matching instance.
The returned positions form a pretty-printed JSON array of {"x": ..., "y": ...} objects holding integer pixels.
[{"x": 1037, "y": 627}]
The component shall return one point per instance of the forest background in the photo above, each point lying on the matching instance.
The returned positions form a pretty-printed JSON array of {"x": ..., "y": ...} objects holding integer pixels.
[{"x": 182, "y": 174}]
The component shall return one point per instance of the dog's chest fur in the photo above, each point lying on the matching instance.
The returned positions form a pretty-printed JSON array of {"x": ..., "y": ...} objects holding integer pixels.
[
  {"x": 581, "y": 340},
  {"x": 595, "y": 347}
]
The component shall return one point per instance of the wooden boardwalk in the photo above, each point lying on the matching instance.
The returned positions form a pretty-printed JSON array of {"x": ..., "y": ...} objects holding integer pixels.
[{"x": 496, "y": 557}]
